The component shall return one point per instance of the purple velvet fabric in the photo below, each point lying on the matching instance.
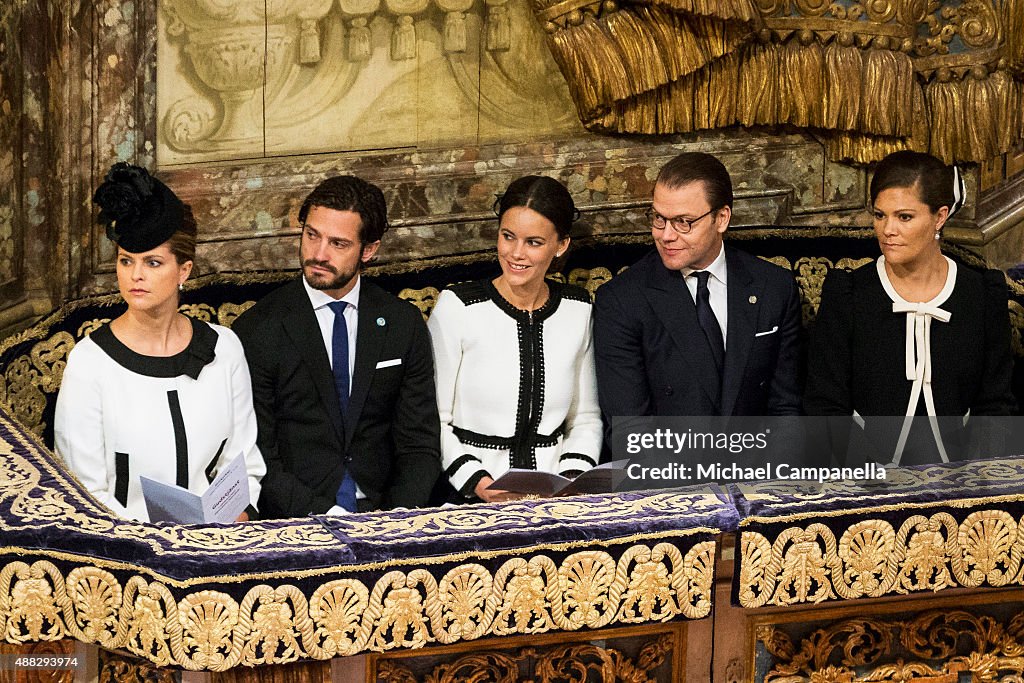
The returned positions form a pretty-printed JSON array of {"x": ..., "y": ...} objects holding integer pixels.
[{"x": 45, "y": 514}]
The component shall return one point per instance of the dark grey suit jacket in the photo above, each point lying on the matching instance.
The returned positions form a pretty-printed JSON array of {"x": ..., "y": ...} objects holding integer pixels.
[
  {"x": 653, "y": 358},
  {"x": 390, "y": 437}
]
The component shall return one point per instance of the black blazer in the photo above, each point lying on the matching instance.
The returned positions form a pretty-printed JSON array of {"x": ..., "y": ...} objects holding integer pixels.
[
  {"x": 390, "y": 439},
  {"x": 857, "y": 359},
  {"x": 653, "y": 359}
]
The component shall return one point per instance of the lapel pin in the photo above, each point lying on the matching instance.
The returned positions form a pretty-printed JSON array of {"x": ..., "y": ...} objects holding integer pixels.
[
  {"x": 752, "y": 299},
  {"x": 381, "y": 322}
]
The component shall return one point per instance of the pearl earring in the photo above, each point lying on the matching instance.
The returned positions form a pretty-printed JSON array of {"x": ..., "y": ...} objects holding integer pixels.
[
  {"x": 181, "y": 285},
  {"x": 937, "y": 234}
]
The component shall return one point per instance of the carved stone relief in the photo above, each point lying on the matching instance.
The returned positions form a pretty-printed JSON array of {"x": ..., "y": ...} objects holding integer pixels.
[{"x": 235, "y": 80}]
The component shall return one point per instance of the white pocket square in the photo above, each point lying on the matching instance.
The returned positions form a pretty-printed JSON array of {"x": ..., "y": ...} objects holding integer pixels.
[
  {"x": 771, "y": 331},
  {"x": 389, "y": 363}
]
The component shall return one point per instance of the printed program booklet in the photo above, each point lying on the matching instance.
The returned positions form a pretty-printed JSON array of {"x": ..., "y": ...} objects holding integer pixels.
[
  {"x": 223, "y": 502},
  {"x": 601, "y": 479}
]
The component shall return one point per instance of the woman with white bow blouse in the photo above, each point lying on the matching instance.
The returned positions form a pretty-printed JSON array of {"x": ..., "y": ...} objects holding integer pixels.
[{"x": 913, "y": 333}]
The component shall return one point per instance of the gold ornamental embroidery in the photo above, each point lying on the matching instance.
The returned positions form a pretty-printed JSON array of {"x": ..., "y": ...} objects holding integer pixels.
[
  {"x": 28, "y": 598},
  {"x": 872, "y": 559}
]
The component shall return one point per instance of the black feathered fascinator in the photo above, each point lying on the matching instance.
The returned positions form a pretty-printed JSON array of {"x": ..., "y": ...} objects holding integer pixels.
[{"x": 139, "y": 211}]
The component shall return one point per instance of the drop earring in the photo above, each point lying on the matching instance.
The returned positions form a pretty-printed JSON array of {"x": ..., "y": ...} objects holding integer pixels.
[{"x": 938, "y": 234}]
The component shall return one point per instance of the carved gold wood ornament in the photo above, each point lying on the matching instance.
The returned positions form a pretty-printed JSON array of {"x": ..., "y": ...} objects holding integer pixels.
[
  {"x": 937, "y": 645},
  {"x": 872, "y": 76},
  {"x": 558, "y": 663}
]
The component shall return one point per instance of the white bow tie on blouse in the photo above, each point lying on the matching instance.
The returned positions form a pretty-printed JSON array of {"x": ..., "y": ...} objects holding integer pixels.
[{"x": 919, "y": 353}]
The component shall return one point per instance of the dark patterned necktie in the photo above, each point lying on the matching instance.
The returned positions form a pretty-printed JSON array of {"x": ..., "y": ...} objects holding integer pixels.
[
  {"x": 707, "y": 319},
  {"x": 346, "y": 495}
]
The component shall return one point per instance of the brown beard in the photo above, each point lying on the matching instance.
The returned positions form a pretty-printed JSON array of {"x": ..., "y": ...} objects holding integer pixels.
[{"x": 337, "y": 282}]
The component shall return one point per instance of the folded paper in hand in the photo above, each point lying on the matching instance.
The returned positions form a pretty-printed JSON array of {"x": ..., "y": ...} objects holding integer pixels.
[
  {"x": 601, "y": 479},
  {"x": 223, "y": 502}
]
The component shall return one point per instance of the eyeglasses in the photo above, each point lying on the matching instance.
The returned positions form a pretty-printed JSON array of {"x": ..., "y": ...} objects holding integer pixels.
[{"x": 679, "y": 225}]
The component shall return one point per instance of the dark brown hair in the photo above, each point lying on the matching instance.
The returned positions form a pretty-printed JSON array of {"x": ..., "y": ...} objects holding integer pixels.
[
  {"x": 690, "y": 167},
  {"x": 934, "y": 179},
  {"x": 349, "y": 193},
  {"x": 546, "y": 196},
  {"x": 183, "y": 241}
]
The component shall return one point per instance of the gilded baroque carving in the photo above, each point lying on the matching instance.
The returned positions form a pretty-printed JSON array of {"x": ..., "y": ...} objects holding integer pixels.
[
  {"x": 873, "y": 75},
  {"x": 873, "y": 559},
  {"x": 116, "y": 668},
  {"x": 572, "y": 662},
  {"x": 941, "y": 644},
  {"x": 464, "y": 592}
]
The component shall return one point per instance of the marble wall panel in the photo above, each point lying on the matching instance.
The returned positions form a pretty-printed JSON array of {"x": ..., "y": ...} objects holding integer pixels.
[{"x": 11, "y": 67}]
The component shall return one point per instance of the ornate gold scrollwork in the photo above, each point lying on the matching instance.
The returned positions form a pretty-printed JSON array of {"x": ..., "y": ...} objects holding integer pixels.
[
  {"x": 423, "y": 299},
  {"x": 115, "y": 668},
  {"x": 208, "y": 619},
  {"x": 942, "y": 644},
  {"x": 28, "y": 602},
  {"x": 95, "y": 601},
  {"x": 336, "y": 608},
  {"x": 583, "y": 600},
  {"x": 873, "y": 560},
  {"x": 464, "y": 592},
  {"x": 570, "y": 662},
  {"x": 865, "y": 549},
  {"x": 525, "y": 586},
  {"x": 589, "y": 278},
  {"x": 208, "y": 630},
  {"x": 204, "y": 312},
  {"x": 399, "y": 612},
  {"x": 277, "y": 619},
  {"x": 153, "y": 627},
  {"x": 227, "y": 313}
]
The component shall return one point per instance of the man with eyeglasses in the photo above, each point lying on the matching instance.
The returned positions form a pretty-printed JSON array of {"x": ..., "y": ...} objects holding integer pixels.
[{"x": 697, "y": 328}]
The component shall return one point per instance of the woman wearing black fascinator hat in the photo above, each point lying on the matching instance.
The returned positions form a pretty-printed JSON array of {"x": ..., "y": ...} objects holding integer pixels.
[
  {"x": 913, "y": 333},
  {"x": 153, "y": 393}
]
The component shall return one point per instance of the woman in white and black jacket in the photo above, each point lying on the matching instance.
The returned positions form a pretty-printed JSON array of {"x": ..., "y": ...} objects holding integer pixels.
[{"x": 514, "y": 355}]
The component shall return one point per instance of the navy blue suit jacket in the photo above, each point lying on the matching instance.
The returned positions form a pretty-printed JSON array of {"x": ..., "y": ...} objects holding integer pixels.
[{"x": 653, "y": 358}]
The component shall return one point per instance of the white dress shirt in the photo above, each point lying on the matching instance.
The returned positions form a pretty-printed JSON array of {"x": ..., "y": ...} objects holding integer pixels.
[{"x": 717, "y": 287}]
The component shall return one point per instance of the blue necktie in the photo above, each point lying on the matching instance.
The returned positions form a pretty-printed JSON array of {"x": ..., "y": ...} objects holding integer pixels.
[
  {"x": 346, "y": 496},
  {"x": 708, "y": 321}
]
